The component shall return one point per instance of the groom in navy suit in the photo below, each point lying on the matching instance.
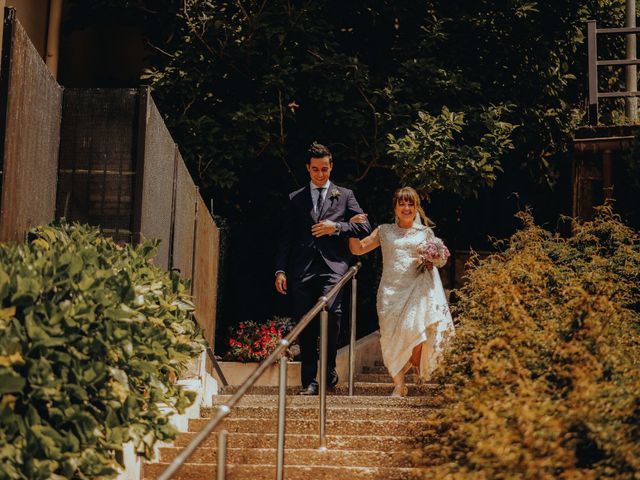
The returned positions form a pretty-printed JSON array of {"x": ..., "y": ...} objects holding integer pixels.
[{"x": 313, "y": 255}]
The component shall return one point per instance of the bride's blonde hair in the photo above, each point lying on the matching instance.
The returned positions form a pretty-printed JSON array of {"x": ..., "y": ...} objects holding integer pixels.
[{"x": 408, "y": 194}]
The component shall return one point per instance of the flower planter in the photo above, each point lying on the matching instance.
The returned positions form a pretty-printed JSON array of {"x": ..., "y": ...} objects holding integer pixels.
[{"x": 238, "y": 372}]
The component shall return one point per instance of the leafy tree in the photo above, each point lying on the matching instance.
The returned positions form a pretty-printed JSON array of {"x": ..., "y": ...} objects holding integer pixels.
[
  {"x": 245, "y": 86},
  {"x": 433, "y": 155}
]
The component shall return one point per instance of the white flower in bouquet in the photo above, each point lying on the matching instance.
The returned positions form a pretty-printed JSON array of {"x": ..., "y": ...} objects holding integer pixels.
[{"x": 433, "y": 252}]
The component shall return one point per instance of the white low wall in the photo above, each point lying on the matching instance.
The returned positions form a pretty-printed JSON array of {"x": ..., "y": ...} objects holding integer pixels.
[
  {"x": 199, "y": 381},
  {"x": 237, "y": 372},
  {"x": 367, "y": 352}
]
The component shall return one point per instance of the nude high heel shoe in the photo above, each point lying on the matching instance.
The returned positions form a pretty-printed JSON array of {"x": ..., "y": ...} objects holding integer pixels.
[
  {"x": 400, "y": 391},
  {"x": 415, "y": 371}
]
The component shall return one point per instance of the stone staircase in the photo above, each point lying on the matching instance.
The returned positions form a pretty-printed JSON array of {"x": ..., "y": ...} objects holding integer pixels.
[{"x": 369, "y": 436}]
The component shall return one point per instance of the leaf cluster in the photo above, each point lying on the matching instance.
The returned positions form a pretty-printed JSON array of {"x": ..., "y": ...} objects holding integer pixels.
[
  {"x": 434, "y": 155},
  {"x": 93, "y": 336},
  {"x": 545, "y": 366}
]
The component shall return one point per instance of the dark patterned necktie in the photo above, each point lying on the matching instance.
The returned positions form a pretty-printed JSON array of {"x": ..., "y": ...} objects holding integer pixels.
[{"x": 319, "y": 200}]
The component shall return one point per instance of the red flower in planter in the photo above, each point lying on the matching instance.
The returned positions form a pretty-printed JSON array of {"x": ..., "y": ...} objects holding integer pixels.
[{"x": 253, "y": 342}]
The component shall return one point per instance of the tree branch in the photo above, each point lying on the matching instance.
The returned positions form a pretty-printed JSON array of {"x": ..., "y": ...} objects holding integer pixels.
[
  {"x": 195, "y": 32},
  {"x": 284, "y": 159},
  {"x": 159, "y": 49},
  {"x": 244, "y": 11},
  {"x": 375, "y": 122},
  {"x": 281, "y": 117},
  {"x": 202, "y": 169}
]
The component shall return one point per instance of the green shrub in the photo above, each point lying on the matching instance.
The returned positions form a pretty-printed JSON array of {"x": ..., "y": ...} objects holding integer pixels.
[
  {"x": 544, "y": 373},
  {"x": 92, "y": 338}
]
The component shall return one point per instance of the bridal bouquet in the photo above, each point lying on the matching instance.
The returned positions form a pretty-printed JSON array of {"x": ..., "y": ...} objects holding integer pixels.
[{"x": 432, "y": 251}]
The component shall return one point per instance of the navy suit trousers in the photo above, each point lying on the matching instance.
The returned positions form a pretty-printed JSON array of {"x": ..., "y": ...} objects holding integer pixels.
[{"x": 305, "y": 291}]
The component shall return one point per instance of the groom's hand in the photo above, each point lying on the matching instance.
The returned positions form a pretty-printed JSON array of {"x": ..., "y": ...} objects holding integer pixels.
[
  {"x": 325, "y": 227},
  {"x": 281, "y": 283}
]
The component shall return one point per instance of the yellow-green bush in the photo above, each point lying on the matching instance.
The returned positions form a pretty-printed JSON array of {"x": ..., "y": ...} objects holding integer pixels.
[
  {"x": 544, "y": 373},
  {"x": 92, "y": 337}
]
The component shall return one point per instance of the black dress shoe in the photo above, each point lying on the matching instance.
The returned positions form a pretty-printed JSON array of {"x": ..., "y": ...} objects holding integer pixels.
[{"x": 312, "y": 389}]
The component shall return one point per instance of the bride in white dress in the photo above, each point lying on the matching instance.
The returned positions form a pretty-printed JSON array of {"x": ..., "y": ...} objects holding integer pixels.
[{"x": 412, "y": 307}]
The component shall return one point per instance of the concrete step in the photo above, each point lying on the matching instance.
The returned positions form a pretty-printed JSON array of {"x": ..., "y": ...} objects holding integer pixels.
[
  {"x": 206, "y": 471},
  {"x": 334, "y": 427},
  {"x": 385, "y": 389},
  {"x": 307, "y": 456},
  {"x": 374, "y": 369},
  {"x": 337, "y": 400},
  {"x": 381, "y": 378},
  {"x": 361, "y": 388},
  {"x": 333, "y": 412},
  {"x": 312, "y": 440}
]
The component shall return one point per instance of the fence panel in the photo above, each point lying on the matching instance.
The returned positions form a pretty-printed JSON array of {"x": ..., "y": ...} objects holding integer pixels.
[
  {"x": 30, "y": 109},
  {"x": 205, "y": 274},
  {"x": 97, "y": 159},
  {"x": 184, "y": 221},
  {"x": 152, "y": 215},
  {"x": 121, "y": 170}
]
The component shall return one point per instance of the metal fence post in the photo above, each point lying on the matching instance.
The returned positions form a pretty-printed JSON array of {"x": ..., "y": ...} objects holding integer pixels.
[
  {"x": 592, "y": 47},
  {"x": 282, "y": 391},
  {"x": 631, "y": 71},
  {"x": 352, "y": 339},
  {"x": 216, "y": 366},
  {"x": 222, "y": 455},
  {"x": 324, "y": 330}
]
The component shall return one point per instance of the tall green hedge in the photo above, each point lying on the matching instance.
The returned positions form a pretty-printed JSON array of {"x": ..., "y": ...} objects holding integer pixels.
[
  {"x": 92, "y": 337},
  {"x": 545, "y": 368}
]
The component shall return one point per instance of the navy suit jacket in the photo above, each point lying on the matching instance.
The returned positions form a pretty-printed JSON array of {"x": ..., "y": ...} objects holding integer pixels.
[{"x": 298, "y": 248}]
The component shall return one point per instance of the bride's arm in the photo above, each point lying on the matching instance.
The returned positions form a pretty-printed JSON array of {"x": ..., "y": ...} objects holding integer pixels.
[{"x": 360, "y": 247}]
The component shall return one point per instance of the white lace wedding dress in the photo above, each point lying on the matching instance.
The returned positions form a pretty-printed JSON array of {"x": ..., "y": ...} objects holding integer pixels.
[{"x": 412, "y": 307}]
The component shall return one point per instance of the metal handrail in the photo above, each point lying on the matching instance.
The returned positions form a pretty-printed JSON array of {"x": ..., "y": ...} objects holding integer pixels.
[{"x": 225, "y": 409}]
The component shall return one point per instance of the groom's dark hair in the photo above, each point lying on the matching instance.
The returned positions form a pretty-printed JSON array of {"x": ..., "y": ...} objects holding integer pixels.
[{"x": 317, "y": 150}]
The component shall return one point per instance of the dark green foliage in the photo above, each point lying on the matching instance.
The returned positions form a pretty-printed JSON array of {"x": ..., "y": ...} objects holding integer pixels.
[
  {"x": 92, "y": 338},
  {"x": 433, "y": 154},
  {"x": 545, "y": 368},
  {"x": 246, "y": 86}
]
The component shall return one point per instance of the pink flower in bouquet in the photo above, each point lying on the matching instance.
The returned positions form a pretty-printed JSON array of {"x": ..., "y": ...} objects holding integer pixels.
[{"x": 432, "y": 251}]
